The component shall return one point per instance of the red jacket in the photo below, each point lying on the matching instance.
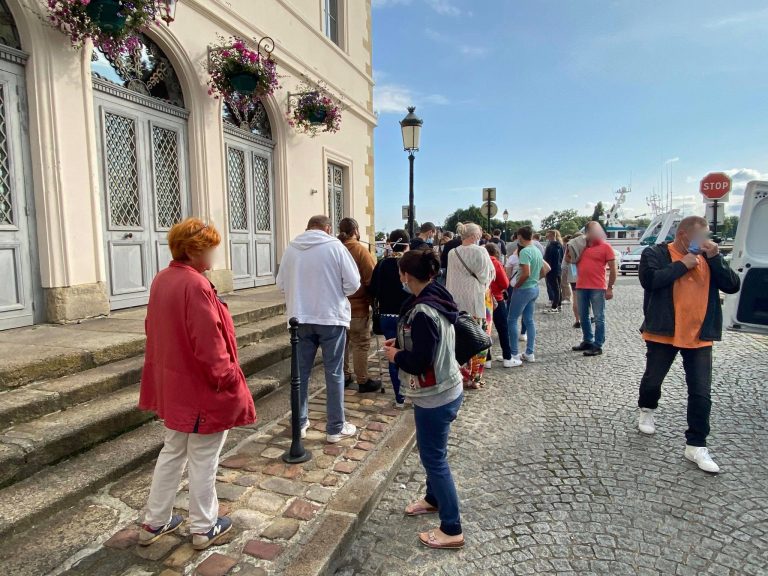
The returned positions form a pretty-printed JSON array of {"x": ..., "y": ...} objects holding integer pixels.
[
  {"x": 501, "y": 282},
  {"x": 191, "y": 372}
]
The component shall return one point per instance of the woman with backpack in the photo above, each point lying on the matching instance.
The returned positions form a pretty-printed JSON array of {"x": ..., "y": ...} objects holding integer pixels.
[{"x": 424, "y": 352}]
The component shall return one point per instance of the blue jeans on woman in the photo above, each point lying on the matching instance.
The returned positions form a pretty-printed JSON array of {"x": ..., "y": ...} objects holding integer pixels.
[
  {"x": 432, "y": 428},
  {"x": 389, "y": 330},
  {"x": 522, "y": 303}
]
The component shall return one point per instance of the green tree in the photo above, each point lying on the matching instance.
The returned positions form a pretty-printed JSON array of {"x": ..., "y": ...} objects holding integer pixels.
[
  {"x": 728, "y": 229},
  {"x": 556, "y": 219},
  {"x": 597, "y": 212},
  {"x": 381, "y": 236},
  {"x": 568, "y": 228}
]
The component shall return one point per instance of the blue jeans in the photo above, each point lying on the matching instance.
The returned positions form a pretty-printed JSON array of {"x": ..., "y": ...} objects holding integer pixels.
[
  {"x": 432, "y": 428},
  {"x": 596, "y": 300},
  {"x": 331, "y": 340},
  {"x": 522, "y": 303},
  {"x": 389, "y": 330}
]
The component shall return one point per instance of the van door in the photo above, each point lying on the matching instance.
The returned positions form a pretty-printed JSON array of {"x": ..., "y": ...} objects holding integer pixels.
[{"x": 747, "y": 311}]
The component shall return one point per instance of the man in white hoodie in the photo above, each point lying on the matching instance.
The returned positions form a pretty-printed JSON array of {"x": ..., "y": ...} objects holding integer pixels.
[{"x": 316, "y": 274}]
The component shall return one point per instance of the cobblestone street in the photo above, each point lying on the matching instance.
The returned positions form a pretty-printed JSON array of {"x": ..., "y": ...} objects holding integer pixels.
[{"x": 554, "y": 477}]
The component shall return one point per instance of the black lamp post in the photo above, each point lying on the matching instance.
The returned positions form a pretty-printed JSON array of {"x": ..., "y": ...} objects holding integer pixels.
[
  {"x": 411, "y": 128},
  {"x": 505, "y": 216}
]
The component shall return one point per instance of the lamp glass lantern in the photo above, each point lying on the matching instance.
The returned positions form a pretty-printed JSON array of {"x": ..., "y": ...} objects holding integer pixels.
[
  {"x": 505, "y": 215},
  {"x": 411, "y": 128}
]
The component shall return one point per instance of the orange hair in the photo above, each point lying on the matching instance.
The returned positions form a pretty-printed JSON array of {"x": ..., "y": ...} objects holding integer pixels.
[{"x": 191, "y": 237}]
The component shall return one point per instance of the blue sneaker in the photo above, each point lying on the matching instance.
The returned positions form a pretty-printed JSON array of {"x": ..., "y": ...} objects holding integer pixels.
[
  {"x": 202, "y": 541},
  {"x": 147, "y": 534}
]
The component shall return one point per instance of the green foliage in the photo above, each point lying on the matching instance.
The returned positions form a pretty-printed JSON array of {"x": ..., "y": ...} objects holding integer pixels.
[
  {"x": 476, "y": 215},
  {"x": 380, "y": 236},
  {"x": 597, "y": 212},
  {"x": 728, "y": 229},
  {"x": 569, "y": 228}
]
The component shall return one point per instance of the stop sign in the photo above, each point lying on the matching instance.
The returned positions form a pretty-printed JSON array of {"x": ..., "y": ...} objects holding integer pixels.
[{"x": 715, "y": 186}]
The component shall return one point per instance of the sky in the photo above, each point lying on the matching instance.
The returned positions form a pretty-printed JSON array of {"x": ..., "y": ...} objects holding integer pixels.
[{"x": 558, "y": 103}]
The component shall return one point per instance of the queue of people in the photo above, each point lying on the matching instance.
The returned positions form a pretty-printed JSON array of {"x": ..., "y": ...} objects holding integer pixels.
[{"x": 193, "y": 381}]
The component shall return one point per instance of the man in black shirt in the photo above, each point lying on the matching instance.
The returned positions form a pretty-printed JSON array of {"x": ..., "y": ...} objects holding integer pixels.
[
  {"x": 499, "y": 242},
  {"x": 425, "y": 238}
]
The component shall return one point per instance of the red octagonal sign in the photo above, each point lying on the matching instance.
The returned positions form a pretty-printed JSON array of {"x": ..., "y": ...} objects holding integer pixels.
[{"x": 715, "y": 186}]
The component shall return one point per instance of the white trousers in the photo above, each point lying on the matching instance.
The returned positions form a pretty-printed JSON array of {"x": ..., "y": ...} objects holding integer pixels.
[{"x": 201, "y": 451}]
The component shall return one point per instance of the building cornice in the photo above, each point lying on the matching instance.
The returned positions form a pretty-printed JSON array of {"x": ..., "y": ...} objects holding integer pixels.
[
  {"x": 115, "y": 90},
  {"x": 12, "y": 55}
]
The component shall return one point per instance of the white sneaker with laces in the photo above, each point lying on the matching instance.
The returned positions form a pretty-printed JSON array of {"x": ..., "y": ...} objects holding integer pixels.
[
  {"x": 346, "y": 431},
  {"x": 528, "y": 357},
  {"x": 646, "y": 424},
  {"x": 304, "y": 429},
  {"x": 700, "y": 456},
  {"x": 512, "y": 362},
  {"x": 523, "y": 338},
  {"x": 499, "y": 358}
]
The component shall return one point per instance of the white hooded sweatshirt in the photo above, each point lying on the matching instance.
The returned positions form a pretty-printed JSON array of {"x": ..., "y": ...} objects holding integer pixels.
[{"x": 316, "y": 274}]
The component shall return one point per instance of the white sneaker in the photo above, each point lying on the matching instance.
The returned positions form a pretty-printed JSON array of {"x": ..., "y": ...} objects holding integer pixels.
[
  {"x": 513, "y": 362},
  {"x": 565, "y": 302},
  {"x": 528, "y": 357},
  {"x": 523, "y": 338},
  {"x": 304, "y": 429},
  {"x": 488, "y": 364},
  {"x": 700, "y": 456},
  {"x": 646, "y": 424},
  {"x": 346, "y": 431},
  {"x": 499, "y": 358}
]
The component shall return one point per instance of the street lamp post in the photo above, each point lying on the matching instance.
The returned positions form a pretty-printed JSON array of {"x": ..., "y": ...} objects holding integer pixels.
[
  {"x": 505, "y": 216},
  {"x": 411, "y": 128}
]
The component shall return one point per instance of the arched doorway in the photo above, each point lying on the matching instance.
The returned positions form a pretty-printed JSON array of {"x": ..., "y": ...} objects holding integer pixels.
[
  {"x": 250, "y": 191},
  {"x": 142, "y": 135},
  {"x": 18, "y": 288}
]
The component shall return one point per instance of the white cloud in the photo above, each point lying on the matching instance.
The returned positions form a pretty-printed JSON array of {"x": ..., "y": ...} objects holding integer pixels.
[
  {"x": 740, "y": 19},
  {"x": 473, "y": 50},
  {"x": 395, "y": 98},
  {"x": 444, "y": 7},
  {"x": 386, "y": 3}
]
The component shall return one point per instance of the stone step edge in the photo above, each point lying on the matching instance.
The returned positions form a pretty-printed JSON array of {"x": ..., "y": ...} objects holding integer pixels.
[
  {"x": 81, "y": 360},
  {"x": 95, "y": 422},
  {"x": 56, "y": 487},
  {"x": 38, "y": 399}
]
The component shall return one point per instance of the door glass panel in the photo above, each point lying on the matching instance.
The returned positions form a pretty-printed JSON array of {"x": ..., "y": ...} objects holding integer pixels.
[
  {"x": 122, "y": 171},
  {"x": 6, "y": 199},
  {"x": 238, "y": 199},
  {"x": 9, "y": 279},
  {"x": 165, "y": 150},
  {"x": 335, "y": 194},
  {"x": 8, "y": 33},
  {"x": 261, "y": 193}
]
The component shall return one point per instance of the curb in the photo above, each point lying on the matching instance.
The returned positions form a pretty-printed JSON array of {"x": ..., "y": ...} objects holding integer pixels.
[{"x": 351, "y": 506}]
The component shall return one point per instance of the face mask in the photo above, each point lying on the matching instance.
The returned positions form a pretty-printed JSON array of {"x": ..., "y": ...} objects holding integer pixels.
[
  {"x": 429, "y": 241},
  {"x": 407, "y": 288}
]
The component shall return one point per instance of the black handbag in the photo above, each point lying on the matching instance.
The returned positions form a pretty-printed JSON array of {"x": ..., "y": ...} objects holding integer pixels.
[{"x": 471, "y": 339}]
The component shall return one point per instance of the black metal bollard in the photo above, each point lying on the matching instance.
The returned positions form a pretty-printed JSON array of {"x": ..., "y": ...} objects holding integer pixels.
[{"x": 296, "y": 454}]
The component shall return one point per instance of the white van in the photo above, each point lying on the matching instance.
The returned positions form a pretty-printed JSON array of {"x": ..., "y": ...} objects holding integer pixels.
[{"x": 747, "y": 310}]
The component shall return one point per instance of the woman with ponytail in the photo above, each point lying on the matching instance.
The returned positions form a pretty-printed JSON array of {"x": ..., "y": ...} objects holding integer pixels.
[{"x": 424, "y": 352}]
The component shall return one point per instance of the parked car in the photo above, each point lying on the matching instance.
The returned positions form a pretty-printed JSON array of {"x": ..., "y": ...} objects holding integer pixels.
[{"x": 630, "y": 262}]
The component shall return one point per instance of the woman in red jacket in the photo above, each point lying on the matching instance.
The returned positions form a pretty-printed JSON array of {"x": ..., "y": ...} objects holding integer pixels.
[
  {"x": 193, "y": 381},
  {"x": 498, "y": 289}
]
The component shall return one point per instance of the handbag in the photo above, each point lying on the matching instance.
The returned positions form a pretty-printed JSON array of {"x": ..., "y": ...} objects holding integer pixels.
[{"x": 471, "y": 339}]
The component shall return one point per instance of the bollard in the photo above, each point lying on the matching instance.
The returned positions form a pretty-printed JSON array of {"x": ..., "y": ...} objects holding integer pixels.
[{"x": 296, "y": 454}]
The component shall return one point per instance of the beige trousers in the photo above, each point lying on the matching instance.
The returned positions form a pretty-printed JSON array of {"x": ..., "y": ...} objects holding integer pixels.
[{"x": 358, "y": 345}]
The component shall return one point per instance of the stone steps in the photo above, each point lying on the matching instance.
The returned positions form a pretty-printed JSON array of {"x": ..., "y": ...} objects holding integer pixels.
[
  {"x": 47, "y": 352},
  {"x": 29, "y": 446},
  {"x": 54, "y": 488}
]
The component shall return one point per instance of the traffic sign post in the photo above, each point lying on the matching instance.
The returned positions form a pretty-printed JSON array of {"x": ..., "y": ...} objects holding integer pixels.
[
  {"x": 716, "y": 187},
  {"x": 489, "y": 206}
]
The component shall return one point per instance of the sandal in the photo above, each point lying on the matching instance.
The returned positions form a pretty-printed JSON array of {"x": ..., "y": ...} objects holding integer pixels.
[
  {"x": 429, "y": 539},
  {"x": 419, "y": 508}
]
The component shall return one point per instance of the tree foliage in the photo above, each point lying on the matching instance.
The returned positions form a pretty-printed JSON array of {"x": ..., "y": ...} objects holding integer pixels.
[
  {"x": 476, "y": 215},
  {"x": 380, "y": 236},
  {"x": 728, "y": 229},
  {"x": 569, "y": 228}
]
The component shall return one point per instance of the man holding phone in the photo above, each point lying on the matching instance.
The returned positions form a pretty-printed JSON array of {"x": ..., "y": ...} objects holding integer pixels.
[{"x": 682, "y": 282}]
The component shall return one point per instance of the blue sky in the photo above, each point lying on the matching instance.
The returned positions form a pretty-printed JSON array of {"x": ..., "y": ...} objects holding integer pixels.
[{"x": 557, "y": 103}]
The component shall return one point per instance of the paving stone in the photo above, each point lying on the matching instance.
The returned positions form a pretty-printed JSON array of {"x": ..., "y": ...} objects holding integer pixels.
[
  {"x": 267, "y": 502},
  {"x": 262, "y": 549},
  {"x": 301, "y": 510},
  {"x": 216, "y": 565},
  {"x": 275, "y": 469},
  {"x": 169, "y": 572},
  {"x": 293, "y": 471},
  {"x": 283, "y": 486},
  {"x": 180, "y": 556},
  {"x": 367, "y": 446},
  {"x": 353, "y": 454},
  {"x": 370, "y": 436},
  {"x": 124, "y": 539},
  {"x": 314, "y": 476},
  {"x": 230, "y": 492},
  {"x": 158, "y": 550},
  {"x": 376, "y": 426},
  {"x": 272, "y": 452},
  {"x": 330, "y": 480},
  {"x": 324, "y": 461},
  {"x": 247, "y": 480},
  {"x": 333, "y": 450},
  {"x": 281, "y": 529},
  {"x": 345, "y": 467},
  {"x": 249, "y": 519},
  {"x": 237, "y": 461},
  {"x": 319, "y": 494},
  {"x": 248, "y": 570}
]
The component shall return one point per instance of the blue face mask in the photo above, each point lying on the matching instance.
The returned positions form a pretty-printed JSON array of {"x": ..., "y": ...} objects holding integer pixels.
[
  {"x": 407, "y": 288},
  {"x": 429, "y": 241}
]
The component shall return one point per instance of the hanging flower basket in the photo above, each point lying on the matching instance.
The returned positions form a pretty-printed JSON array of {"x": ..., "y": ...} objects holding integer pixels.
[
  {"x": 112, "y": 25},
  {"x": 236, "y": 70},
  {"x": 315, "y": 111}
]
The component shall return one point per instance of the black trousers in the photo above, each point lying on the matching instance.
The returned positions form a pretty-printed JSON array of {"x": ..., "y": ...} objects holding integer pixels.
[
  {"x": 697, "y": 363},
  {"x": 553, "y": 289}
]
